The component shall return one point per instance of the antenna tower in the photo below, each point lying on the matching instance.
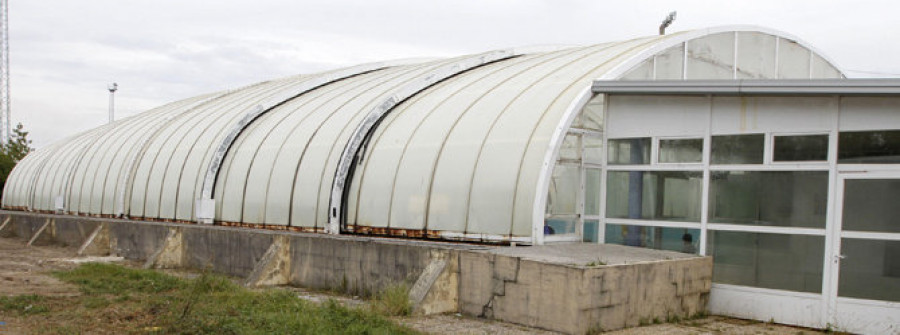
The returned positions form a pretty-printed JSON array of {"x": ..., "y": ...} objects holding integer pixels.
[{"x": 4, "y": 72}]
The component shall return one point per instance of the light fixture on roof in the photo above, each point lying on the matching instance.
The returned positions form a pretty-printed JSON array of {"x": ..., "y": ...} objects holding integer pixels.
[
  {"x": 666, "y": 23},
  {"x": 112, "y": 91}
]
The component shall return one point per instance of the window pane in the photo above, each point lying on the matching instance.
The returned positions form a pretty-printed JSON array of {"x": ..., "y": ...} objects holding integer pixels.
[
  {"x": 556, "y": 226},
  {"x": 654, "y": 195},
  {"x": 590, "y": 231},
  {"x": 629, "y": 151},
  {"x": 870, "y": 270},
  {"x": 777, "y": 261},
  {"x": 563, "y": 192},
  {"x": 770, "y": 198},
  {"x": 681, "y": 151},
  {"x": 592, "y": 192},
  {"x": 570, "y": 149},
  {"x": 660, "y": 238},
  {"x": 869, "y": 147},
  {"x": 738, "y": 149},
  {"x": 871, "y": 205},
  {"x": 800, "y": 148},
  {"x": 593, "y": 149}
]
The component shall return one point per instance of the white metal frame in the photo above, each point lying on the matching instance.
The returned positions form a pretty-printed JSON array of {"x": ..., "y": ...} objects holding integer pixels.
[{"x": 856, "y": 314}]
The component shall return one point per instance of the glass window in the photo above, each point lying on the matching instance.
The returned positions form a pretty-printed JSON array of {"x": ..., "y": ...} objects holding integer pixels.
[
  {"x": 738, "y": 149},
  {"x": 660, "y": 238},
  {"x": 681, "y": 150},
  {"x": 800, "y": 148},
  {"x": 559, "y": 225},
  {"x": 871, "y": 205},
  {"x": 769, "y": 198},
  {"x": 592, "y": 192},
  {"x": 869, "y": 147},
  {"x": 629, "y": 151},
  {"x": 870, "y": 269},
  {"x": 654, "y": 195},
  {"x": 563, "y": 192},
  {"x": 776, "y": 261},
  {"x": 593, "y": 148},
  {"x": 590, "y": 231},
  {"x": 571, "y": 148}
]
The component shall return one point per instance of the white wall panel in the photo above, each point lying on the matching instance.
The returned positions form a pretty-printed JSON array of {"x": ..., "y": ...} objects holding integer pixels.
[
  {"x": 737, "y": 115},
  {"x": 868, "y": 113},
  {"x": 663, "y": 116}
]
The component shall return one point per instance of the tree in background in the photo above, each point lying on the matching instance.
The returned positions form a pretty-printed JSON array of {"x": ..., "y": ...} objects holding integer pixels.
[{"x": 12, "y": 152}]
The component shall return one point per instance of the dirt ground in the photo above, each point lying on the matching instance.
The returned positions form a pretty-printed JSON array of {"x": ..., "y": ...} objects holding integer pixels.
[{"x": 26, "y": 270}]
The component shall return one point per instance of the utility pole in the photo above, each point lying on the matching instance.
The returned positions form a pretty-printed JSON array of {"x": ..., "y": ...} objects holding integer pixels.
[
  {"x": 5, "y": 131},
  {"x": 112, "y": 106}
]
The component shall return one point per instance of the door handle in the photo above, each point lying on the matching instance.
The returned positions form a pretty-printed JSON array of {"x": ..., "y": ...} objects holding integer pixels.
[{"x": 838, "y": 258}]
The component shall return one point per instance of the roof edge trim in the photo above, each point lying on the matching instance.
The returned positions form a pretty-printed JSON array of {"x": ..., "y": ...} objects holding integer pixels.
[{"x": 752, "y": 87}]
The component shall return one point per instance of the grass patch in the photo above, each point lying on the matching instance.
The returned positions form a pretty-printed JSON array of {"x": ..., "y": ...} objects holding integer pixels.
[
  {"x": 97, "y": 278},
  {"x": 117, "y": 299},
  {"x": 393, "y": 301},
  {"x": 24, "y": 304}
]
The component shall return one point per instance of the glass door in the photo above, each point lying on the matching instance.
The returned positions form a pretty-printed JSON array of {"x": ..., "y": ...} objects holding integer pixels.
[{"x": 865, "y": 290}]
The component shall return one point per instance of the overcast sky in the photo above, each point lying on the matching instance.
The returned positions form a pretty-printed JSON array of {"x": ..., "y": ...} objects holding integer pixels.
[{"x": 64, "y": 52}]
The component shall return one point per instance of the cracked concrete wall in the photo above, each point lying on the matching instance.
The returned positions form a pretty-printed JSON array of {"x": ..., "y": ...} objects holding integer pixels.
[{"x": 576, "y": 299}]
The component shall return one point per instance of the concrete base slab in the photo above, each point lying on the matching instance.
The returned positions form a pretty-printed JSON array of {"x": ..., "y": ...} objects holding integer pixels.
[{"x": 580, "y": 288}]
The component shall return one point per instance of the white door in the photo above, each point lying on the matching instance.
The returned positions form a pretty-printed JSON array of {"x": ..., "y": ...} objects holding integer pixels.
[{"x": 864, "y": 296}]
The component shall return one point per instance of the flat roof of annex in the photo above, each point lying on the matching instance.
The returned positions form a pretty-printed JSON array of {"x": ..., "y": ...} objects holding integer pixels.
[{"x": 791, "y": 87}]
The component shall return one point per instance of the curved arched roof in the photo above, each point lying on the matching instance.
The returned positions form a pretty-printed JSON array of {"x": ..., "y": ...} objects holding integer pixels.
[{"x": 459, "y": 145}]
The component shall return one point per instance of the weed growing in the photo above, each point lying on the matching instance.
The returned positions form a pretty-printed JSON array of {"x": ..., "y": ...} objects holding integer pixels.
[{"x": 393, "y": 301}]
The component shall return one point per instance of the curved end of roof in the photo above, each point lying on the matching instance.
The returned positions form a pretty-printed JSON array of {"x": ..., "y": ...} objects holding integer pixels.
[{"x": 673, "y": 39}]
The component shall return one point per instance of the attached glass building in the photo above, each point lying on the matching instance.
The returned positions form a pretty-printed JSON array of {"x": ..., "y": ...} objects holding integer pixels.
[{"x": 792, "y": 186}]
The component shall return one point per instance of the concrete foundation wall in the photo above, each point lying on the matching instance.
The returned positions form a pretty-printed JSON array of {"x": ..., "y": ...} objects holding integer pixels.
[
  {"x": 360, "y": 266},
  {"x": 477, "y": 280}
]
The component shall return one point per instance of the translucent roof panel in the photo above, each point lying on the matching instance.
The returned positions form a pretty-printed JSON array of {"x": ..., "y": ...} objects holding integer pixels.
[{"x": 455, "y": 148}]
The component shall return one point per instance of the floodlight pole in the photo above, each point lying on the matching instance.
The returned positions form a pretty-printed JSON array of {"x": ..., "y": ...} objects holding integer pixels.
[
  {"x": 665, "y": 24},
  {"x": 112, "y": 92}
]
